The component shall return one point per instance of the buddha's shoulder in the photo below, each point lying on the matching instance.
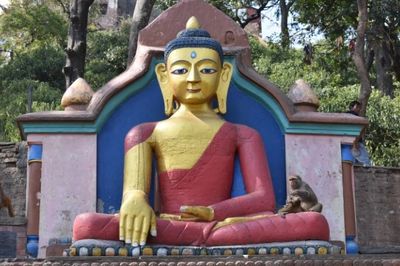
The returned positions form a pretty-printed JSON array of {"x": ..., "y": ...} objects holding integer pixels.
[
  {"x": 139, "y": 133},
  {"x": 145, "y": 131},
  {"x": 243, "y": 131}
]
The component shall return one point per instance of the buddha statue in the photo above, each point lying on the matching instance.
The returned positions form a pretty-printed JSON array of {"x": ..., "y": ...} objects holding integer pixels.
[{"x": 195, "y": 150}]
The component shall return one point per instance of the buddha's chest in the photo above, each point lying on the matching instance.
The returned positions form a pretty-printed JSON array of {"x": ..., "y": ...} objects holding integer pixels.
[{"x": 181, "y": 146}]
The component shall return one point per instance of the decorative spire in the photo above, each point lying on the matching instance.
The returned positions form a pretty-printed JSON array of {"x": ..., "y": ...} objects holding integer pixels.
[
  {"x": 77, "y": 96},
  {"x": 303, "y": 96},
  {"x": 192, "y": 23}
]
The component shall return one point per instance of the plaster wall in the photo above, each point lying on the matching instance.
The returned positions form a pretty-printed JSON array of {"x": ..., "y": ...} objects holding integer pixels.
[
  {"x": 68, "y": 183},
  {"x": 317, "y": 159}
]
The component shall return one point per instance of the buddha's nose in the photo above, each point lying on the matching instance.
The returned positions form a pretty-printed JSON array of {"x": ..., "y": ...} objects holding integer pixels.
[{"x": 193, "y": 75}]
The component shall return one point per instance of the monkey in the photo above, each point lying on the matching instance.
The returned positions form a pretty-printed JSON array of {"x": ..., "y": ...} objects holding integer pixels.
[
  {"x": 301, "y": 197},
  {"x": 6, "y": 202},
  {"x": 308, "y": 54}
]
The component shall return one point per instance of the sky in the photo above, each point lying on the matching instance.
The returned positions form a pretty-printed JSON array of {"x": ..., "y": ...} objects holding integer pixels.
[
  {"x": 4, "y": 2},
  {"x": 270, "y": 29}
]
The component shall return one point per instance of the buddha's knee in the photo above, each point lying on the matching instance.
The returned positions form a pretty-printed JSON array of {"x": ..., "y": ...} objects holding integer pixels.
[{"x": 96, "y": 226}]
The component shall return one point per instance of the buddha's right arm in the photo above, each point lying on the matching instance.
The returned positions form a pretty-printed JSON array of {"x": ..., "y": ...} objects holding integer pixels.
[{"x": 136, "y": 215}]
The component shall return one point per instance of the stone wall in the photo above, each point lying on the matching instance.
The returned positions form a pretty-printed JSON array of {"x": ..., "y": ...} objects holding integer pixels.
[
  {"x": 377, "y": 194},
  {"x": 13, "y": 158}
]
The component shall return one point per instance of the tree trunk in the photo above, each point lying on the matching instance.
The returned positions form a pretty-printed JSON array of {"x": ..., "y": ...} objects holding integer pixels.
[
  {"x": 284, "y": 10},
  {"x": 140, "y": 19},
  {"x": 358, "y": 56},
  {"x": 76, "y": 49},
  {"x": 384, "y": 78},
  {"x": 383, "y": 61}
]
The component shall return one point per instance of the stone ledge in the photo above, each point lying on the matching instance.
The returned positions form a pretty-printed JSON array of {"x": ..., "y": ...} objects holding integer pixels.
[
  {"x": 93, "y": 247},
  {"x": 376, "y": 259}
]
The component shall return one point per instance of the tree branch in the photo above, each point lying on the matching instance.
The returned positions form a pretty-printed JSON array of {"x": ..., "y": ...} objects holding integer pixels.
[
  {"x": 140, "y": 19},
  {"x": 3, "y": 8},
  {"x": 64, "y": 7},
  {"x": 256, "y": 16},
  {"x": 358, "y": 55}
]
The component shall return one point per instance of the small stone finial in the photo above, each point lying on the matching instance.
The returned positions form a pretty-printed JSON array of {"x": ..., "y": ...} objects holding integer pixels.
[
  {"x": 77, "y": 96},
  {"x": 303, "y": 96},
  {"x": 192, "y": 23}
]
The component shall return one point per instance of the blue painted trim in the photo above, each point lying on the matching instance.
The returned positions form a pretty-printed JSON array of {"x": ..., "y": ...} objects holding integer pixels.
[
  {"x": 57, "y": 127},
  {"x": 324, "y": 129},
  {"x": 32, "y": 245},
  {"x": 347, "y": 155},
  {"x": 35, "y": 152},
  {"x": 351, "y": 245}
]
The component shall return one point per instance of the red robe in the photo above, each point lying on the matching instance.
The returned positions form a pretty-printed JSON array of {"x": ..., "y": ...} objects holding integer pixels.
[{"x": 209, "y": 183}]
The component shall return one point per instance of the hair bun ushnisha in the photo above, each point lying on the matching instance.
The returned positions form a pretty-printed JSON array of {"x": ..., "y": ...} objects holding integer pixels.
[{"x": 193, "y": 36}]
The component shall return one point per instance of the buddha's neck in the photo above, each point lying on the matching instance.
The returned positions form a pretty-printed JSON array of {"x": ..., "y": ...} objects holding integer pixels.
[{"x": 202, "y": 111}]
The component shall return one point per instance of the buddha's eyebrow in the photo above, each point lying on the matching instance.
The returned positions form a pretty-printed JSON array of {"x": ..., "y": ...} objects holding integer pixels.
[
  {"x": 207, "y": 59},
  {"x": 180, "y": 62}
]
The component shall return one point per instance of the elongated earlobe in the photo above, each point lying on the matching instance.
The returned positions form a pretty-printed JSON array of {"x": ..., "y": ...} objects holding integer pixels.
[
  {"x": 223, "y": 87},
  {"x": 168, "y": 96}
]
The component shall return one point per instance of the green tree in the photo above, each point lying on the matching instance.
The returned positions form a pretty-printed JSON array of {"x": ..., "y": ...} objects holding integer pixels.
[
  {"x": 340, "y": 21},
  {"x": 106, "y": 57},
  {"x": 25, "y": 25},
  {"x": 336, "y": 86},
  {"x": 36, "y": 36}
]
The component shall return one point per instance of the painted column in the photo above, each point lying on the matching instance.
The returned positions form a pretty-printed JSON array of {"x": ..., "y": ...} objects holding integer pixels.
[
  {"x": 348, "y": 197},
  {"x": 317, "y": 159},
  {"x": 33, "y": 198}
]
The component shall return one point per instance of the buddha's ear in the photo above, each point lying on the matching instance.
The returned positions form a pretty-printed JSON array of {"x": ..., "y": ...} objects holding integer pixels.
[
  {"x": 223, "y": 86},
  {"x": 168, "y": 96}
]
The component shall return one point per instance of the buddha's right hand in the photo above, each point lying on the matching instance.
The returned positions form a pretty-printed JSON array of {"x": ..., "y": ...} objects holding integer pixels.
[{"x": 136, "y": 218}]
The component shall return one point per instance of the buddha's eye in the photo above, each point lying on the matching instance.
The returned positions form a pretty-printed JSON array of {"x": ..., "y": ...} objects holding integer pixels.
[
  {"x": 208, "y": 70},
  {"x": 179, "y": 71}
]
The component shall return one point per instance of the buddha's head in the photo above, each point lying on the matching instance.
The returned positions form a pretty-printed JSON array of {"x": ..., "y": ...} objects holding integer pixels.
[{"x": 194, "y": 71}]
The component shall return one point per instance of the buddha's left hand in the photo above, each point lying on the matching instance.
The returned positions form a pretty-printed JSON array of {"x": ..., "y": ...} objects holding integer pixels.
[{"x": 197, "y": 213}]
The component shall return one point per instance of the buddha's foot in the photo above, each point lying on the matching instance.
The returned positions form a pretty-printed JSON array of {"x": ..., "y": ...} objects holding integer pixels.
[{"x": 234, "y": 220}]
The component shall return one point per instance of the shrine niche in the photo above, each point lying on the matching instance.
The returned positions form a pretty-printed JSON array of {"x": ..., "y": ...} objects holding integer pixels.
[{"x": 240, "y": 118}]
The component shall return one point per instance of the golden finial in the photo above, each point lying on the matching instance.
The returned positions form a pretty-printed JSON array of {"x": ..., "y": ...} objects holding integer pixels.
[{"x": 192, "y": 23}]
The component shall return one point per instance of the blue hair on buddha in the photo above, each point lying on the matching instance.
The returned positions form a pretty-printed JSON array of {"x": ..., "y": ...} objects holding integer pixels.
[{"x": 196, "y": 38}]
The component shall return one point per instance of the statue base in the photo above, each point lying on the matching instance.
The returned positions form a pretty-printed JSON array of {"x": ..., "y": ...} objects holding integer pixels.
[{"x": 92, "y": 247}]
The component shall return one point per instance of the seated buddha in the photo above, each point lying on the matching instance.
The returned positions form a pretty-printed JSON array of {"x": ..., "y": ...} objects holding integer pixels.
[{"x": 195, "y": 150}]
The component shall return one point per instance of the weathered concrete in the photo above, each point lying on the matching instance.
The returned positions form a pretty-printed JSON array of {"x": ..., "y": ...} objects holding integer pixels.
[
  {"x": 317, "y": 159},
  {"x": 68, "y": 183},
  {"x": 392, "y": 259},
  {"x": 377, "y": 193}
]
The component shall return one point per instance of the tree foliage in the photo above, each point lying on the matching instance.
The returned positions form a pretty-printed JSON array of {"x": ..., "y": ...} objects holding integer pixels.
[
  {"x": 107, "y": 52},
  {"x": 39, "y": 58},
  {"x": 336, "y": 85},
  {"x": 36, "y": 36},
  {"x": 339, "y": 23},
  {"x": 25, "y": 25}
]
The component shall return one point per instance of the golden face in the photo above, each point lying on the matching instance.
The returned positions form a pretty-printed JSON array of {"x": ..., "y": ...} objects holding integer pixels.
[{"x": 193, "y": 74}]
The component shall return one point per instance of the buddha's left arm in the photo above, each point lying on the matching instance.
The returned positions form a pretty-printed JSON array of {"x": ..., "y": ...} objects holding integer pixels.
[{"x": 257, "y": 179}]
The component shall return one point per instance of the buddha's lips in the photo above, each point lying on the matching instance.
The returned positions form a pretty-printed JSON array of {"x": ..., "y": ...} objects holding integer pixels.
[{"x": 194, "y": 90}]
